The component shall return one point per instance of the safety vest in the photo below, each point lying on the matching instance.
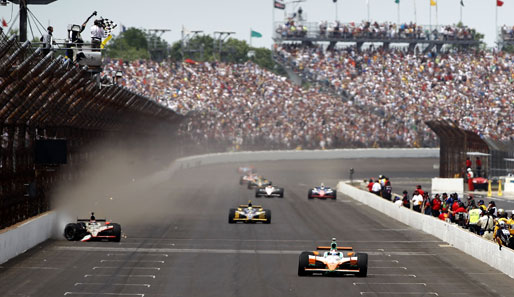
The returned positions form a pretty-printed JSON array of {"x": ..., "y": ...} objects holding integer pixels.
[{"x": 474, "y": 216}]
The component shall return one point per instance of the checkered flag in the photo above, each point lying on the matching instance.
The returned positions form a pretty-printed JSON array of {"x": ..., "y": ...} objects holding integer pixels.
[{"x": 108, "y": 26}]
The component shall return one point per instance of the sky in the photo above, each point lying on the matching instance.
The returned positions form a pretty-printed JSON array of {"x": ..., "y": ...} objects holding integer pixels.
[{"x": 240, "y": 16}]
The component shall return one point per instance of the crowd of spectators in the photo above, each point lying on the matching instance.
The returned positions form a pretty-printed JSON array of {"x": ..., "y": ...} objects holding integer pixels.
[
  {"x": 472, "y": 87},
  {"x": 376, "y": 97},
  {"x": 248, "y": 106},
  {"x": 374, "y": 30},
  {"x": 488, "y": 221}
]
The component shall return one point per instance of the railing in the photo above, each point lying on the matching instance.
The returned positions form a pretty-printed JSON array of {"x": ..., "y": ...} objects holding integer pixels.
[{"x": 367, "y": 32}]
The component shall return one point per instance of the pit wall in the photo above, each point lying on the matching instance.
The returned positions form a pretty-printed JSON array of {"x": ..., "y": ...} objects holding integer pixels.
[
  {"x": 470, "y": 243},
  {"x": 17, "y": 239}
]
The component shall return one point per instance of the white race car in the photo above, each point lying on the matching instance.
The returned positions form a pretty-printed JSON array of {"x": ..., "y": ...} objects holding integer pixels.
[
  {"x": 269, "y": 191},
  {"x": 92, "y": 229}
]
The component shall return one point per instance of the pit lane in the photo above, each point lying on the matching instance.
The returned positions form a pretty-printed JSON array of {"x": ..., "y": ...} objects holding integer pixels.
[{"x": 193, "y": 251}]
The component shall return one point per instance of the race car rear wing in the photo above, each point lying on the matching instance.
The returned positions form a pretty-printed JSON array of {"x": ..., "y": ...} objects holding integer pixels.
[
  {"x": 245, "y": 206},
  {"x": 87, "y": 220},
  {"x": 341, "y": 248}
]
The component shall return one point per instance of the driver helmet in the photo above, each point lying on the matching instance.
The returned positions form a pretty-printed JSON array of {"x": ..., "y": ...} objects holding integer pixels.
[
  {"x": 501, "y": 213},
  {"x": 501, "y": 223},
  {"x": 249, "y": 203},
  {"x": 333, "y": 245},
  {"x": 322, "y": 185}
]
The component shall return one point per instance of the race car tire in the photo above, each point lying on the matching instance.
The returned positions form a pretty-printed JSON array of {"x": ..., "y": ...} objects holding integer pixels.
[
  {"x": 335, "y": 196},
  {"x": 309, "y": 195},
  {"x": 257, "y": 195},
  {"x": 231, "y": 215},
  {"x": 116, "y": 231},
  {"x": 241, "y": 181},
  {"x": 281, "y": 195},
  {"x": 303, "y": 262},
  {"x": 250, "y": 186},
  {"x": 71, "y": 232},
  {"x": 362, "y": 264},
  {"x": 268, "y": 216}
]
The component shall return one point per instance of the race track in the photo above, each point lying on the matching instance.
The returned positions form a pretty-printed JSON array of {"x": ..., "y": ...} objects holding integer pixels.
[{"x": 178, "y": 243}]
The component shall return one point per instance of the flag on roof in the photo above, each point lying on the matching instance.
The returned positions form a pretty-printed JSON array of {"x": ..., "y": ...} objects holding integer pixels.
[
  {"x": 279, "y": 4},
  {"x": 255, "y": 34},
  {"x": 4, "y": 23},
  {"x": 433, "y": 3},
  {"x": 499, "y": 3},
  {"x": 462, "y": 2},
  {"x": 397, "y": 1}
]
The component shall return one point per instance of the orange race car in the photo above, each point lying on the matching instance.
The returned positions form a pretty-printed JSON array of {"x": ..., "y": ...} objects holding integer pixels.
[{"x": 333, "y": 262}]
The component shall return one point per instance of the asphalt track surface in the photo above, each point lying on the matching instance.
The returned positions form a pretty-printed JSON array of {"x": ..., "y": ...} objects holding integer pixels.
[{"x": 193, "y": 251}]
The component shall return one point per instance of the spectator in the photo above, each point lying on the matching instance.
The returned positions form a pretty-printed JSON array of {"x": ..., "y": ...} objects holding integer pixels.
[
  {"x": 420, "y": 190},
  {"x": 486, "y": 224},
  {"x": 474, "y": 215},
  {"x": 398, "y": 201},
  {"x": 444, "y": 216},
  {"x": 482, "y": 206},
  {"x": 427, "y": 204},
  {"x": 97, "y": 33},
  {"x": 492, "y": 208},
  {"x": 387, "y": 191},
  {"x": 459, "y": 215},
  {"x": 478, "y": 163},
  {"x": 370, "y": 185},
  {"x": 48, "y": 40},
  {"x": 405, "y": 199},
  {"x": 376, "y": 188},
  {"x": 469, "y": 177},
  {"x": 468, "y": 163},
  {"x": 471, "y": 203},
  {"x": 417, "y": 201},
  {"x": 436, "y": 205}
]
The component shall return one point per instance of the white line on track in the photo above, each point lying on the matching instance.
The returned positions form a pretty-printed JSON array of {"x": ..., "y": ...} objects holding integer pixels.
[
  {"x": 147, "y": 254},
  {"x": 400, "y": 293},
  {"x": 32, "y": 267},
  {"x": 221, "y": 251},
  {"x": 395, "y": 284},
  {"x": 120, "y": 275},
  {"x": 131, "y": 267},
  {"x": 133, "y": 261},
  {"x": 103, "y": 284},
  {"x": 392, "y": 274},
  {"x": 394, "y": 267},
  {"x": 392, "y": 261},
  {"x": 95, "y": 293}
]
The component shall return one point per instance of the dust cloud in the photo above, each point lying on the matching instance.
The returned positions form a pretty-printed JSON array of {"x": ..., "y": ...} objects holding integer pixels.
[{"x": 122, "y": 183}]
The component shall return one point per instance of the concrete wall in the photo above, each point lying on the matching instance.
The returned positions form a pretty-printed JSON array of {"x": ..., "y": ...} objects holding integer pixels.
[
  {"x": 472, "y": 244},
  {"x": 21, "y": 238},
  {"x": 25, "y": 236},
  {"x": 239, "y": 157}
]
